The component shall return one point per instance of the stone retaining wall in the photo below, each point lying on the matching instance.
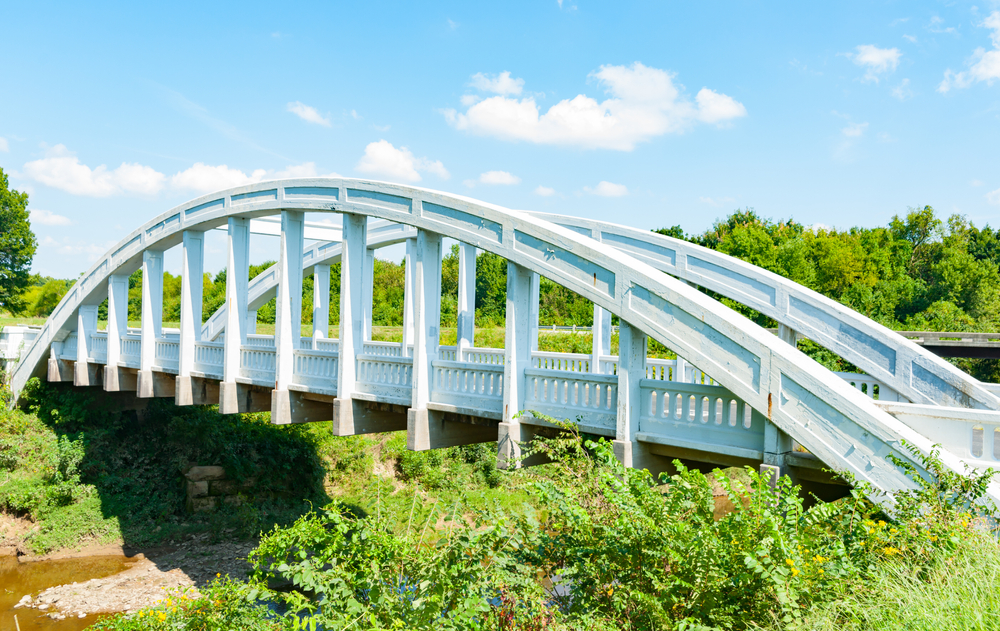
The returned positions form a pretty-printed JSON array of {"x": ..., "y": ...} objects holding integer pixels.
[{"x": 208, "y": 488}]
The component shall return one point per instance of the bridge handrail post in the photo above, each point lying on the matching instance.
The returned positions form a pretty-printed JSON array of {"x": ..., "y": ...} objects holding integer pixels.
[
  {"x": 86, "y": 324},
  {"x": 152, "y": 319},
  {"x": 778, "y": 444},
  {"x": 192, "y": 271},
  {"x": 321, "y": 303},
  {"x": 533, "y": 303},
  {"x": 517, "y": 358},
  {"x": 351, "y": 344},
  {"x": 286, "y": 406},
  {"x": 408, "y": 295},
  {"x": 465, "y": 321},
  {"x": 631, "y": 371},
  {"x": 237, "y": 281},
  {"x": 426, "y": 341}
]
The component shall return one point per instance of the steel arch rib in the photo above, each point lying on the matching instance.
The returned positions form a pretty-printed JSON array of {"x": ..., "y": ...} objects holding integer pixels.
[{"x": 835, "y": 422}]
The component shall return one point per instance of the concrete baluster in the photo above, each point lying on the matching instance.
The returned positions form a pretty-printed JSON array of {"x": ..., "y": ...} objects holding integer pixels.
[
  {"x": 192, "y": 273},
  {"x": 152, "y": 384},
  {"x": 466, "y": 311},
  {"x": 517, "y": 358},
  {"x": 84, "y": 372},
  {"x": 116, "y": 378},
  {"x": 251, "y": 321},
  {"x": 321, "y": 302}
]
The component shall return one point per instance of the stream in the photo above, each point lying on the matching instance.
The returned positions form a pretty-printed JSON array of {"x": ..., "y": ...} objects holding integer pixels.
[{"x": 18, "y": 579}]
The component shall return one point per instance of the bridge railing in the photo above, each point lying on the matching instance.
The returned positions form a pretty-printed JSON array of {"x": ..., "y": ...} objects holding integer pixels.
[
  {"x": 468, "y": 386},
  {"x": 589, "y": 398},
  {"x": 257, "y": 364},
  {"x": 316, "y": 370},
  {"x": 386, "y": 377},
  {"x": 208, "y": 359}
]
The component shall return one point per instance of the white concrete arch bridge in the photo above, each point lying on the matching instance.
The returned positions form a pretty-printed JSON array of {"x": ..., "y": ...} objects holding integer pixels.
[{"x": 737, "y": 394}]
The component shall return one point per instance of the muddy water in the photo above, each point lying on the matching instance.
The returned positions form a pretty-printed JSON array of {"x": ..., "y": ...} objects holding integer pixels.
[{"x": 19, "y": 579}]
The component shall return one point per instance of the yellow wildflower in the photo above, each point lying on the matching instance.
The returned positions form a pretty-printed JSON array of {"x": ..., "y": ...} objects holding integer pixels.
[
  {"x": 795, "y": 571},
  {"x": 819, "y": 559},
  {"x": 890, "y": 551},
  {"x": 163, "y": 617},
  {"x": 881, "y": 524},
  {"x": 218, "y": 575},
  {"x": 789, "y": 562}
]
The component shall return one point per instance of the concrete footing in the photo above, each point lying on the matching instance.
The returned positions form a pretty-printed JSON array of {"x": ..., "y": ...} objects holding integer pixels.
[
  {"x": 288, "y": 406},
  {"x": 87, "y": 374},
  {"x": 431, "y": 429},
  {"x": 155, "y": 384},
  {"x": 352, "y": 417},
  {"x": 196, "y": 391},
  {"x": 120, "y": 380},
  {"x": 59, "y": 370},
  {"x": 239, "y": 398}
]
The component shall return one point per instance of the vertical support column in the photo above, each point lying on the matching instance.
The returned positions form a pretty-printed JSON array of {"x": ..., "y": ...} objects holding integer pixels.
[
  {"x": 288, "y": 406},
  {"x": 408, "y": 295},
  {"x": 631, "y": 371},
  {"x": 777, "y": 444},
  {"x": 601, "y": 337},
  {"x": 152, "y": 319},
  {"x": 368, "y": 287},
  {"x": 237, "y": 282},
  {"x": 85, "y": 373},
  {"x": 517, "y": 358},
  {"x": 352, "y": 261},
  {"x": 115, "y": 378},
  {"x": 321, "y": 302},
  {"x": 251, "y": 321},
  {"x": 536, "y": 286},
  {"x": 427, "y": 325},
  {"x": 192, "y": 271},
  {"x": 466, "y": 316}
]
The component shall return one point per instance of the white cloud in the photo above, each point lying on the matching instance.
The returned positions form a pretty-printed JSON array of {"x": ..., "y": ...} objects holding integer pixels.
[
  {"x": 381, "y": 158},
  {"x": 382, "y": 128},
  {"x": 716, "y": 201},
  {"x": 354, "y": 115},
  {"x": 500, "y": 84},
  {"x": 206, "y": 178},
  {"x": 993, "y": 197},
  {"x": 935, "y": 26},
  {"x": 643, "y": 103},
  {"x": 70, "y": 247},
  {"x": 607, "y": 189},
  {"x": 4, "y": 147},
  {"x": 499, "y": 177},
  {"x": 545, "y": 191},
  {"x": 876, "y": 61},
  {"x": 61, "y": 169},
  {"x": 308, "y": 114},
  {"x": 902, "y": 91},
  {"x": 854, "y": 130},
  {"x": 452, "y": 24},
  {"x": 984, "y": 65},
  {"x": 976, "y": 182},
  {"x": 48, "y": 218},
  {"x": 910, "y": 38}
]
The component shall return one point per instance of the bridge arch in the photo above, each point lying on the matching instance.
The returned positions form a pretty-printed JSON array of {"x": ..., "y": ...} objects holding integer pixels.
[{"x": 797, "y": 396}]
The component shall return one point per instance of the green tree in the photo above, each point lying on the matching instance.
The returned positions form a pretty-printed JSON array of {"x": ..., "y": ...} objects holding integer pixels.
[{"x": 17, "y": 246}]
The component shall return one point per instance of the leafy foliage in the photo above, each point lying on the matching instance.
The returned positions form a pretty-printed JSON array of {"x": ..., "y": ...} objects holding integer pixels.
[{"x": 17, "y": 246}]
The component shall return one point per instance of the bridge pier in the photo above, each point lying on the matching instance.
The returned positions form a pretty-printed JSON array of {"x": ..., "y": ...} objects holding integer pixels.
[
  {"x": 236, "y": 398},
  {"x": 192, "y": 262},
  {"x": 512, "y": 434}
]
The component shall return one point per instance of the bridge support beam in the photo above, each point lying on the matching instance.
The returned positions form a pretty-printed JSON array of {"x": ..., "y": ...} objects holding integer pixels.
[
  {"x": 58, "y": 369},
  {"x": 351, "y": 416},
  {"x": 777, "y": 444},
  {"x": 632, "y": 344},
  {"x": 152, "y": 323},
  {"x": 517, "y": 357},
  {"x": 116, "y": 378},
  {"x": 236, "y": 398},
  {"x": 85, "y": 373},
  {"x": 601, "y": 332},
  {"x": 288, "y": 406},
  {"x": 368, "y": 287},
  {"x": 321, "y": 302},
  {"x": 192, "y": 270},
  {"x": 534, "y": 299},
  {"x": 466, "y": 317},
  {"x": 408, "y": 294}
]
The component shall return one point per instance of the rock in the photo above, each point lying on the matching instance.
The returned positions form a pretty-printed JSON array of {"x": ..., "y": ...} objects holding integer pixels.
[
  {"x": 201, "y": 474},
  {"x": 200, "y": 489}
]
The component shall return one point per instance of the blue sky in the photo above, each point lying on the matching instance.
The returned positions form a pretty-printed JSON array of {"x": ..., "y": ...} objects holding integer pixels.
[{"x": 648, "y": 114}]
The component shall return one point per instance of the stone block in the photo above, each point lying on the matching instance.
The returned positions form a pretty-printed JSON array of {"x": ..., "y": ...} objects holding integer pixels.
[
  {"x": 199, "y": 474},
  {"x": 202, "y": 504},
  {"x": 223, "y": 487},
  {"x": 197, "y": 489}
]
